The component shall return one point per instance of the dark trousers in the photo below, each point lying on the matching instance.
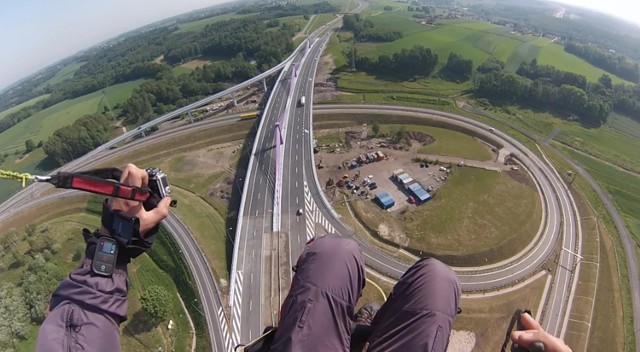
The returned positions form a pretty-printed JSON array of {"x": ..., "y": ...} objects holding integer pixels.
[{"x": 317, "y": 313}]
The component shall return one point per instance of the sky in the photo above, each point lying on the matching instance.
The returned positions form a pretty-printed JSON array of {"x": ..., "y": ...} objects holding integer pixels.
[
  {"x": 625, "y": 9},
  {"x": 37, "y": 33}
]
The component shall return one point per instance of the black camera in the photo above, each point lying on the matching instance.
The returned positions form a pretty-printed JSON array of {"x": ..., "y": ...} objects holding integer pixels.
[{"x": 159, "y": 183}]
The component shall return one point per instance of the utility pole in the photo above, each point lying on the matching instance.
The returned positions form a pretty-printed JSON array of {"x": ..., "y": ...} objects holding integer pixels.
[
  {"x": 106, "y": 101},
  {"x": 353, "y": 55}
]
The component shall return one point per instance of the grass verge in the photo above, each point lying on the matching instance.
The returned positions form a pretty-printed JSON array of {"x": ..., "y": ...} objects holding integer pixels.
[
  {"x": 447, "y": 142},
  {"x": 208, "y": 228},
  {"x": 612, "y": 297},
  {"x": 489, "y": 317},
  {"x": 478, "y": 217}
]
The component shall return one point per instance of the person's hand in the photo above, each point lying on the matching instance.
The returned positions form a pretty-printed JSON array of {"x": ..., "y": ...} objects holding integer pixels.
[
  {"x": 534, "y": 333},
  {"x": 134, "y": 176}
]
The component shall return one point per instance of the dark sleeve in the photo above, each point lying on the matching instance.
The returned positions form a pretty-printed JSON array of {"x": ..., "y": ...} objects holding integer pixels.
[{"x": 85, "y": 312}]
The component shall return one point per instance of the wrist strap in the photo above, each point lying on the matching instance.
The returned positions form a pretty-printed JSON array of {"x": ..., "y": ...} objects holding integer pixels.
[
  {"x": 120, "y": 226},
  {"x": 100, "y": 181}
]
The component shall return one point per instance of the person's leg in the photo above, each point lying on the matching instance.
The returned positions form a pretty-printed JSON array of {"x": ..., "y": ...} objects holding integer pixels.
[
  {"x": 316, "y": 314},
  {"x": 419, "y": 312}
]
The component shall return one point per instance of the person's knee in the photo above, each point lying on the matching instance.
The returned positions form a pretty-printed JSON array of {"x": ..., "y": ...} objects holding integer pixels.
[
  {"x": 335, "y": 247},
  {"x": 329, "y": 252},
  {"x": 430, "y": 285},
  {"x": 436, "y": 270}
]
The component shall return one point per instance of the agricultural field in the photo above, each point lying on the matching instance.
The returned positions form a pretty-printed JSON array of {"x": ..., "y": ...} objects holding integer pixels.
[
  {"x": 42, "y": 125},
  {"x": 554, "y": 54},
  {"x": 64, "y": 73},
  {"x": 616, "y": 142},
  {"x": 29, "y": 102},
  {"x": 623, "y": 125},
  {"x": 623, "y": 186},
  {"x": 476, "y": 40}
]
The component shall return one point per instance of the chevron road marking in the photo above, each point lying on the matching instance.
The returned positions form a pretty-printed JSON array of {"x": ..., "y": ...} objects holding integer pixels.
[
  {"x": 237, "y": 310},
  {"x": 225, "y": 331},
  {"x": 313, "y": 216}
]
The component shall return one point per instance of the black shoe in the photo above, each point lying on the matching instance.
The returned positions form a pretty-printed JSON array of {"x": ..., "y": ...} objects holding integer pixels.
[{"x": 365, "y": 314}]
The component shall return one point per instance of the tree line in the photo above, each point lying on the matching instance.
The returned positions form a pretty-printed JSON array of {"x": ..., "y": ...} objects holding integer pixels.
[
  {"x": 415, "y": 62},
  {"x": 365, "y": 31},
  {"x": 532, "y": 85},
  {"x": 84, "y": 135},
  {"x": 226, "y": 39},
  {"x": 163, "y": 95},
  {"x": 268, "y": 11},
  {"x": 547, "y": 88},
  {"x": 610, "y": 61}
]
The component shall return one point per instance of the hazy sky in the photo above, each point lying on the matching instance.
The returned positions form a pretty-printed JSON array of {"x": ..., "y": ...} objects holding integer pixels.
[
  {"x": 36, "y": 33},
  {"x": 627, "y": 9}
]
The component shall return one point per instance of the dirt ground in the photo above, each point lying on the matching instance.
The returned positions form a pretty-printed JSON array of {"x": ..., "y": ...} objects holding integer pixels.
[
  {"x": 325, "y": 88},
  {"x": 336, "y": 157}
]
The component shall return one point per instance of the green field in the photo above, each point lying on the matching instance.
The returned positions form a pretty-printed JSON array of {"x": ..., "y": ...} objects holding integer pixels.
[
  {"x": 554, "y": 54},
  {"x": 617, "y": 142},
  {"x": 623, "y": 186},
  {"x": 42, "y": 125},
  {"x": 319, "y": 21},
  {"x": 29, "y": 102},
  {"x": 524, "y": 52},
  {"x": 64, "y": 73},
  {"x": 447, "y": 142},
  {"x": 181, "y": 70},
  {"x": 360, "y": 82},
  {"x": 197, "y": 26},
  {"x": 624, "y": 125},
  {"x": 297, "y": 21},
  {"x": 476, "y": 40},
  {"x": 476, "y": 217},
  {"x": 474, "y": 206}
]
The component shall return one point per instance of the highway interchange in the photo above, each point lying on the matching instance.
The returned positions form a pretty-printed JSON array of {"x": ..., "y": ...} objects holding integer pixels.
[{"x": 300, "y": 190}]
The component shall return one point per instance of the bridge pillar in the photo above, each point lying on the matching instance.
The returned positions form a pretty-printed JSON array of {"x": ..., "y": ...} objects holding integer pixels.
[
  {"x": 142, "y": 133},
  {"x": 264, "y": 84},
  {"x": 190, "y": 117},
  {"x": 279, "y": 139},
  {"x": 235, "y": 101}
]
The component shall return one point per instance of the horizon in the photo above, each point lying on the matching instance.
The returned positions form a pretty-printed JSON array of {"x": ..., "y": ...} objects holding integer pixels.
[
  {"x": 76, "y": 20},
  {"x": 73, "y": 26}
]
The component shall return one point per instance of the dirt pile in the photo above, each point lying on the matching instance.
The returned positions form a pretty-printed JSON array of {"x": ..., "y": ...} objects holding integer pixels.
[{"x": 420, "y": 137}]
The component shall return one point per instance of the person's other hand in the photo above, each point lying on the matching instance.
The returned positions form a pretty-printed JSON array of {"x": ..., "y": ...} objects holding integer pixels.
[
  {"x": 134, "y": 176},
  {"x": 535, "y": 333}
]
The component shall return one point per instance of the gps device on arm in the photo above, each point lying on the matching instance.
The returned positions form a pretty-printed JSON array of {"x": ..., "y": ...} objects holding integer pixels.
[
  {"x": 104, "y": 257},
  {"x": 121, "y": 228}
]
